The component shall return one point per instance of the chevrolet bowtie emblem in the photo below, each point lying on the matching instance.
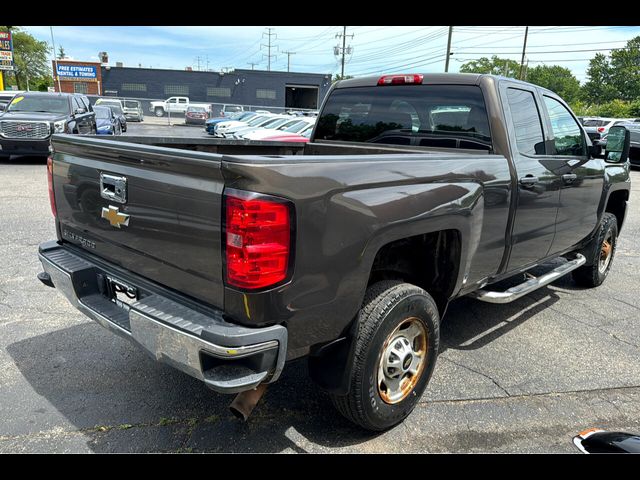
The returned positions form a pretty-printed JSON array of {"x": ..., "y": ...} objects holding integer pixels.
[{"x": 115, "y": 217}]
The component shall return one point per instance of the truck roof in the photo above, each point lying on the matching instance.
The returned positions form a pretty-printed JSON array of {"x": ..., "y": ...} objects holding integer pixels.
[{"x": 428, "y": 78}]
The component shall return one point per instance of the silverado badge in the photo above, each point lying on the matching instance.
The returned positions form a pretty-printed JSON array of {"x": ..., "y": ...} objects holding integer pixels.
[{"x": 115, "y": 217}]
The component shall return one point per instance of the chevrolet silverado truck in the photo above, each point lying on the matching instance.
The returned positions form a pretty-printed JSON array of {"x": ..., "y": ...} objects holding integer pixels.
[
  {"x": 228, "y": 259},
  {"x": 174, "y": 105}
]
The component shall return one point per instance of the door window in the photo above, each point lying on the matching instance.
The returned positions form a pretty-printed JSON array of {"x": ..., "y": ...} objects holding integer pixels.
[
  {"x": 568, "y": 134},
  {"x": 526, "y": 121}
]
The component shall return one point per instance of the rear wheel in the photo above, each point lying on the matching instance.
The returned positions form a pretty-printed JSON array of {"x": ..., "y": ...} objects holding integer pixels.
[
  {"x": 396, "y": 351},
  {"x": 599, "y": 253}
]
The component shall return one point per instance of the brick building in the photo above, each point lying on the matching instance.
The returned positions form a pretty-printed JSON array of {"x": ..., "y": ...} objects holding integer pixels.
[{"x": 78, "y": 77}]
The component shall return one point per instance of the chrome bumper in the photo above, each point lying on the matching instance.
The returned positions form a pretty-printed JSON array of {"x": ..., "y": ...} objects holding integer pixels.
[{"x": 229, "y": 358}]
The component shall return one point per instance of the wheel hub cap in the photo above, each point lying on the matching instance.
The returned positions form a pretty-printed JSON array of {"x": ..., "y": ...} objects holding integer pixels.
[
  {"x": 402, "y": 361},
  {"x": 605, "y": 253}
]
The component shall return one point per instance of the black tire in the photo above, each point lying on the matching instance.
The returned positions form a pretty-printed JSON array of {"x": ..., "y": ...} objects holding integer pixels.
[
  {"x": 594, "y": 272},
  {"x": 387, "y": 306},
  {"x": 159, "y": 111}
]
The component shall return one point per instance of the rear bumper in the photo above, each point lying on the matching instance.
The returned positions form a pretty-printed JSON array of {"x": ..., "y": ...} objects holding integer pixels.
[
  {"x": 24, "y": 147},
  {"x": 228, "y": 358}
]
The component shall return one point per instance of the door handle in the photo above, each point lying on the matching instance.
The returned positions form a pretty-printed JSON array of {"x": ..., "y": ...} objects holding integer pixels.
[
  {"x": 569, "y": 177},
  {"x": 528, "y": 181}
]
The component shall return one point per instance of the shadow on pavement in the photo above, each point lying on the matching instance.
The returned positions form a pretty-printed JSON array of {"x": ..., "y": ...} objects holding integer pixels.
[
  {"x": 94, "y": 378},
  {"x": 23, "y": 160}
]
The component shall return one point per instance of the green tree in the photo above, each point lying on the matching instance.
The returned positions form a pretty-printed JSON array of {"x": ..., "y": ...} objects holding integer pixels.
[
  {"x": 494, "y": 66},
  {"x": 557, "y": 79},
  {"x": 340, "y": 77},
  {"x": 625, "y": 66},
  {"x": 599, "y": 87},
  {"x": 61, "y": 53},
  {"x": 31, "y": 61},
  {"x": 614, "y": 109}
]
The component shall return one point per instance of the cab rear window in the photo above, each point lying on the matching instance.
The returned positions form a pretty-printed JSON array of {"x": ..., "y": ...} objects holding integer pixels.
[{"x": 446, "y": 116}]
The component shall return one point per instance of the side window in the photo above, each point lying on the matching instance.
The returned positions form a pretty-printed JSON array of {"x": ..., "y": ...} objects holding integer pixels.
[
  {"x": 182, "y": 100},
  {"x": 568, "y": 134},
  {"x": 526, "y": 120},
  {"x": 77, "y": 104}
]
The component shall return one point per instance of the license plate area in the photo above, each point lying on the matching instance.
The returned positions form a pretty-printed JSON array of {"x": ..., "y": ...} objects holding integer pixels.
[{"x": 119, "y": 292}]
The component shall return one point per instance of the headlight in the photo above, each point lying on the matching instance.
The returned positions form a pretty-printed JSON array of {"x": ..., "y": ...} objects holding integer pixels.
[{"x": 59, "y": 126}]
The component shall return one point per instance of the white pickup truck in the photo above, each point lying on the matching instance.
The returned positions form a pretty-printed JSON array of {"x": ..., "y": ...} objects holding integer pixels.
[{"x": 174, "y": 105}]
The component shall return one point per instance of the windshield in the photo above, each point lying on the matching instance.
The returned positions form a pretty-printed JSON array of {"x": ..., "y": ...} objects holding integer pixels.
[
  {"x": 52, "y": 104},
  {"x": 595, "y": 123},
  {"x": 102, "y": 112},
  {"x": 131, "y": 104},
  {"x": 274, "y": 123},
  {"x": 196, "y": 109},
  {"x": 297, "y": 127},
  {"x": 117, "y": 109},
  {"x": 256, "y": 120},
  {"x": 445, "y": 116}
]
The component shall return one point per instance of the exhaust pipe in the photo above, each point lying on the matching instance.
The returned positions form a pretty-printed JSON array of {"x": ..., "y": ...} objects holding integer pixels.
[{"x": 245, "y": 402}]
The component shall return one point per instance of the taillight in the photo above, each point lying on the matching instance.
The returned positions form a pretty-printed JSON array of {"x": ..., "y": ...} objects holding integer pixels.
[
  {"x": 52, "y": 199},
  {"x": 400, "y": 79},
  {"x": 258, "y": 239},
  {"x": 601, "y": 129}
]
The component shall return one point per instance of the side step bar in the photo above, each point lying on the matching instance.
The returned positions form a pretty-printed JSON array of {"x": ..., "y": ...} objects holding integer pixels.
[{"x": 530, "y": 285}]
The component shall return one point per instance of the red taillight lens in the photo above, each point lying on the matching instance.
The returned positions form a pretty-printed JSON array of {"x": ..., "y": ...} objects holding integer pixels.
[
  {"x": 258, "y": 240},
  {"x": 601, "y": 129},
  {"x": 52, "y": 199},
  {"x": 400, "y": 79}
]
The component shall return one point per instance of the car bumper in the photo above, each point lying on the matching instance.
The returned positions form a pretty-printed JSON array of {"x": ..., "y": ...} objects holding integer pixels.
[
  {"x": 195, "y": 121},
  {"x": 24, "y": 147},
  {"x": 228, "y": 358},
  {"x": 132, "y": 117}
]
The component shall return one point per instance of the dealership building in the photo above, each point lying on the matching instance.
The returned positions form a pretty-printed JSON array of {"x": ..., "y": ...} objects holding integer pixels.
[{"x": 244, "y": 87}]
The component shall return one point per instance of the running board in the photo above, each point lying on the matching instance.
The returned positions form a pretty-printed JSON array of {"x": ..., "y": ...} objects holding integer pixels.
[{"x": 530, "y": 285}]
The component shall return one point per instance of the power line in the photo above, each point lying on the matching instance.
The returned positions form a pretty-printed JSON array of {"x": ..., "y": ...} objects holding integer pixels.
[
  {"x": 269, "y": 55},
  {"x": 289, "y": 59},
  {"x": 344, "y": 50}
]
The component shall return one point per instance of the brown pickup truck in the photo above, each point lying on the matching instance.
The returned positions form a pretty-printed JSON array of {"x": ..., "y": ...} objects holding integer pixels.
[{"x": 226, "y": 259}]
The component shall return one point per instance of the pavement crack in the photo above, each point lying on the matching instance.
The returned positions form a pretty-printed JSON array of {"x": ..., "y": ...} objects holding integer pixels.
[
  {"x": 635, "y": 307},
  {"x": 597, "y": 327},
  {"x": 493, "y": 380}
]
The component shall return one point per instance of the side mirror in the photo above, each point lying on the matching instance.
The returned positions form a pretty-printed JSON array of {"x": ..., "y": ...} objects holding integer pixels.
[
  {"x": 618, "y": 145},
  {"x": 2, "y": 107}
]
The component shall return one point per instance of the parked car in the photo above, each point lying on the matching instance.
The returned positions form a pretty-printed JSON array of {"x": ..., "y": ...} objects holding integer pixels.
[
  {"x": 116, "y": 106},
  {"x": 597, "y": 127},
  {"x": 31, "y": 117},
  {"x": 225, "y": 110},
  {"x": 6, "y": 96},
  {"x": 292, "y": 137},
  {"x": 174, "y": 105},
  {"x": 196, "y": 115},
  {"x": 132, "y": 110},
  {"x": 274, "y": 123},
  {"x": 240, "y": 116},
  {"x": 106, "y": 121},
  {"x": 299, "y": 126},
  {"x": 232, "y": 260},
  {"x": 634, "y": 142},
  {"x": 223, "y": 128}
]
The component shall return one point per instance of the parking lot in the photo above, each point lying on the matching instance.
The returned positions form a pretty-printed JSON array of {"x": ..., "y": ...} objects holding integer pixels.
[{"x": 521, "y": 377}]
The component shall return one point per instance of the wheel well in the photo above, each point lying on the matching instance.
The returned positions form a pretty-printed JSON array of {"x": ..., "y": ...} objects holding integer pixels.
[
  {"x": 429, "y": 261},
  {"x": 617, "y": 205}
]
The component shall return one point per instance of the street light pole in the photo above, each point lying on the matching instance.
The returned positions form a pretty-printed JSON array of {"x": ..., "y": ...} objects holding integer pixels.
[{"x": 55, "y": 60}]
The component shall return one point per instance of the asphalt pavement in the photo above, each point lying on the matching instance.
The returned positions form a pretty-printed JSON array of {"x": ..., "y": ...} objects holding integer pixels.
[{"x": 522, "y": 377}]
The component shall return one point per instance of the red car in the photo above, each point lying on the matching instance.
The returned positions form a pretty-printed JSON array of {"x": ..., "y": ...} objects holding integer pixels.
[
  {"x": 288, "y": 138},
  {"x": 196, "y": 115}
]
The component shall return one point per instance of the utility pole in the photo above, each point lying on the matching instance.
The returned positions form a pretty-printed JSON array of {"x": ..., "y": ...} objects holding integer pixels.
[
  {"x": 446, "y": 62},
  {"x": 55, "y": 61},
  {"x": 289, "y": 59},
  {"x": 207, "y": 63},
  {"x": 198, "y": 60},
  {"x": 252, "y": 64},
  {"x": 344, "y": 50},
  {"x": 524, "y": 49},
  {"x": 269, "y": 34}
]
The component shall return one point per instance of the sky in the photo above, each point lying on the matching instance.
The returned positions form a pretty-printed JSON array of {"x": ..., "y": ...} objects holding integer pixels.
[{"x": 374, "y": 49}]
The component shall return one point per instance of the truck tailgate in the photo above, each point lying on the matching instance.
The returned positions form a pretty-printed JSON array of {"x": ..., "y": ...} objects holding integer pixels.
[{"x": 172, "y": 199}]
